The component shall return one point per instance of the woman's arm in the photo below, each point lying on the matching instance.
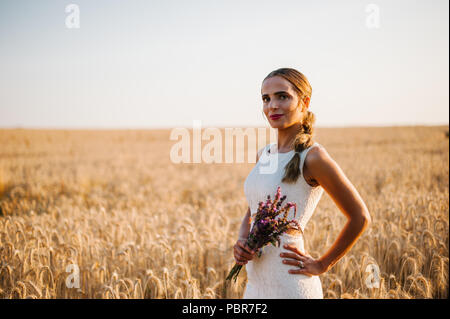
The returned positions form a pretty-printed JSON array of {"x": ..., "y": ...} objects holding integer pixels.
[
  {"x": 246, "y": 222},
  {"x": 245, "y": 226},
  {"x": 243, "y": 253},
  {"x": 333, "y": 180}
]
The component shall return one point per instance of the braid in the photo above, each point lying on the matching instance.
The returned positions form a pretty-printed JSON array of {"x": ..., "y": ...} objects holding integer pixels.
[{"x": 302, "y": 141}]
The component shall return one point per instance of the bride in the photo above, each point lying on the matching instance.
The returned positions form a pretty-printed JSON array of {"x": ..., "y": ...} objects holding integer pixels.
[{"x": 304, "y": 171}]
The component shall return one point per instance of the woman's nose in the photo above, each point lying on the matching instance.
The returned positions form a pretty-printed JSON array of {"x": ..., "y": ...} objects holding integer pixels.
[{"x": 273, "y": 106}]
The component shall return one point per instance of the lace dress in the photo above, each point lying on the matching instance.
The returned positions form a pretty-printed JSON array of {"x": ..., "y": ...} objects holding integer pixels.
[{"x": 267, "y": 276}]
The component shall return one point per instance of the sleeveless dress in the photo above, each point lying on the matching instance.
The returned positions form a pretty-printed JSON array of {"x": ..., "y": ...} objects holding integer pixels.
[{"x": 267, "y": 276}]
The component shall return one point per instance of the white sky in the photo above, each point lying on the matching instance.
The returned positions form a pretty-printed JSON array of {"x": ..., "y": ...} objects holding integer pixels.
[{"x": 149, "y": 64}]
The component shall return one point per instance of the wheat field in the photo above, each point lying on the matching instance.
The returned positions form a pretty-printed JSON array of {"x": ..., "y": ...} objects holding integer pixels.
[{"x": 136, "y": 225}]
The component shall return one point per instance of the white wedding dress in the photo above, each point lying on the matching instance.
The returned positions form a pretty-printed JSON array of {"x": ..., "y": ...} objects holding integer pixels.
[{"x": 267, "y": 276}]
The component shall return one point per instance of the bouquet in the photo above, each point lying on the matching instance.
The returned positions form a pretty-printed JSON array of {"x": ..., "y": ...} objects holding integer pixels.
[{"x": 266, "y": 229}]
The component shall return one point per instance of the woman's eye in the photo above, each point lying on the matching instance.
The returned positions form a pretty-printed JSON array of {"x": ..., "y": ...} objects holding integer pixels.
[
  {"x": 264, "y": 99},
  {"x": 283, "y": 97}
]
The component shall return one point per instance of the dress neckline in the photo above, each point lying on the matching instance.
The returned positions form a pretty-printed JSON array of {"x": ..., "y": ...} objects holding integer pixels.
[{"x": 276, "y": 148}]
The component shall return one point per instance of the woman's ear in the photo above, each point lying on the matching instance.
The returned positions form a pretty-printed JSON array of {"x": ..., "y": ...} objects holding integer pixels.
[{"x": 306, "y": 101}]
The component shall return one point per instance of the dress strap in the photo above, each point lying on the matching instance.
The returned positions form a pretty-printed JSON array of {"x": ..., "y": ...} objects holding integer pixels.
[{"x": 303, "y": 155}]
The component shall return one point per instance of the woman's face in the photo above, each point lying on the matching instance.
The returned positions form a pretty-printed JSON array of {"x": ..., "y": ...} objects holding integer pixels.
[{"x": 280, "y": 99}]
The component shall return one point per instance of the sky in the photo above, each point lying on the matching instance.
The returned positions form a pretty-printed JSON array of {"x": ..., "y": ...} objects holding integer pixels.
[{"x": 162, "y": 64}]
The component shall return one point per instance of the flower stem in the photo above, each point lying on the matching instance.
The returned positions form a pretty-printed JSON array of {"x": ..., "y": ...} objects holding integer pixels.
[{"x": 234, "y": 272}]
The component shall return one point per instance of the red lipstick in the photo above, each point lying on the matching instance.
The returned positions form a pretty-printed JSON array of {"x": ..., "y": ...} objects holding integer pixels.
[{"x": 276, "y": 116}]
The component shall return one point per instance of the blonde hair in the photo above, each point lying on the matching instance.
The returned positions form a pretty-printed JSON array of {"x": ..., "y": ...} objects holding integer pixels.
[{"x": 304, "y": 137}]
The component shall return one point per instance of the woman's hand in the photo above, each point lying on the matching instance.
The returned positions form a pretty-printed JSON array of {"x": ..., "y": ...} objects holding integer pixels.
[
  {"x": 311, "y": 266},
  {"x": 243, "y": 253}
]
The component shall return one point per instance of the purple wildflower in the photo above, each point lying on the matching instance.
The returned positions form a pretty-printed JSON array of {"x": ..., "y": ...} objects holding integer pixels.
[{"x": 266, "y": 228}]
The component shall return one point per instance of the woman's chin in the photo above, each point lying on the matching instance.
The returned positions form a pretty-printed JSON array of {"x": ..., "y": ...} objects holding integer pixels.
[{"x": 277, "y": 125}]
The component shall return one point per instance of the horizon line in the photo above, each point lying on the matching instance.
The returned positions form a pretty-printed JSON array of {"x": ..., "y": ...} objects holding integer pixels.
[{"x": 214, "y": 126}]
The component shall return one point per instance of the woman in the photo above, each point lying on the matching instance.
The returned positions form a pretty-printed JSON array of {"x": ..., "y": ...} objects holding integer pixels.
[{"x": 304, "y": 170}]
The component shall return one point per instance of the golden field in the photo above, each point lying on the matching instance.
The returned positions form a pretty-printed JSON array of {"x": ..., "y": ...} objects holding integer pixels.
[{"x": 139, "y": 226}]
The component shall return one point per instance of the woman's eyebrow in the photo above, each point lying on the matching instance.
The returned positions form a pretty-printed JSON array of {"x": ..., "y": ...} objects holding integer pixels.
[
  {"x": 278, "y": 93},
  {"x": 281, "y": 92}
]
